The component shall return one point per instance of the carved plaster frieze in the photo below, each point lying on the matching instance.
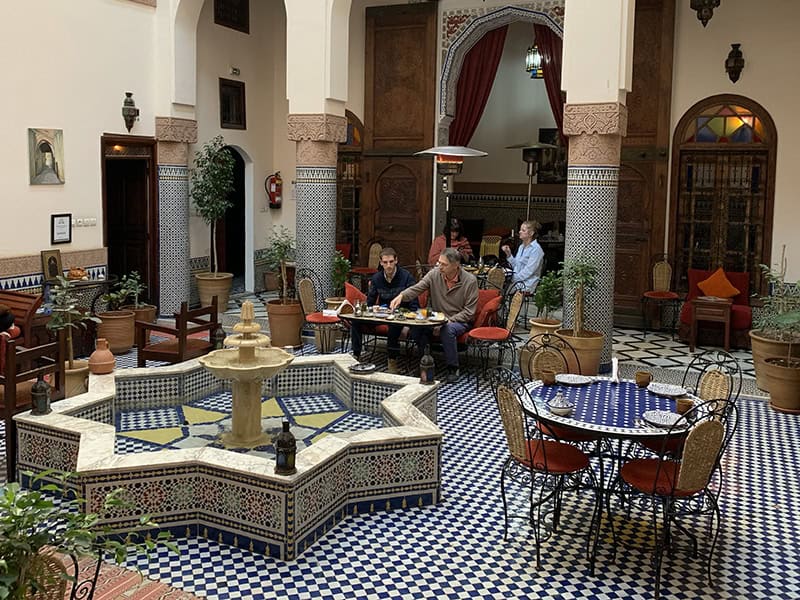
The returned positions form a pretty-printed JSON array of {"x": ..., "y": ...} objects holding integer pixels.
[
  {"x": 606, "y": 118},
  {"x": 173, "y": 153},
  {"x": 317, "y": 127},
  {"x": 594, "y": 149},
  {"x": 316, "y": 154},
  {"x": 174, "y": 129}
]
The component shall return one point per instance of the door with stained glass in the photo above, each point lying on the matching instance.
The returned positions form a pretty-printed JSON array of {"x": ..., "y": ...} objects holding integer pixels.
[{"x": 723, "y": 182}]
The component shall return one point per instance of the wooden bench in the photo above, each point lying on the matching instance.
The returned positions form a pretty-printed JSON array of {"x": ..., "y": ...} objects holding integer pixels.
[{"x": 23, "y": 306}]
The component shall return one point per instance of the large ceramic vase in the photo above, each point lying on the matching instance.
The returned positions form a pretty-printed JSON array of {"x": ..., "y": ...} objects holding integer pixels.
[
  {"x": 76, "y": 379},
  {"x": 214, "y": 284},
  {"x": 117, "y": 327},
  {"x": 285, "y": 321},
  {"x": 588, "y": 346},
  {"x": 764, "y": 347},
  {"x": 784, "y": 378}
]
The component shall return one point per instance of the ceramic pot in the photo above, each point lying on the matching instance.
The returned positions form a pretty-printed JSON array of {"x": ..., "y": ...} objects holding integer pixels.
[
  {"x": 117, "y": 327},
  {"x": 784, "y": 386},
  {"x": 214, "y": 284},
  {"x": 764, "y": 347},
  {"x": 588, "y": 347},
  {"x": 285, "y": 321},
  {"x": 76, "y": 378},
  {"x": 539, "y": 325},
  {"x": 101, "y": 362}
]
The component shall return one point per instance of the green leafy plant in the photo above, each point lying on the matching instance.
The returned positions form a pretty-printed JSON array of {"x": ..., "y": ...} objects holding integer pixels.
[
  {"x": 66, "y": 314},
  {"x": 211, "y": 183},
  {"x": 132, "y": 286},
  {"x": 33, "y": 522},
  {"x": 281, "y": 248},
  {"x": 779, "y": 318},
  {"x": 340, "y": 269},
  {"x": 580, "y": 276},
  {"x": 549, "y": 293}
]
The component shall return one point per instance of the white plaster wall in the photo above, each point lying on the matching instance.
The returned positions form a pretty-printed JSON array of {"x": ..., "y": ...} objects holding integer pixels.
[
  {"x": 516, "y": 109},
  {"x": 770, "y": 43},
  {"x": 67, "y": 65}
]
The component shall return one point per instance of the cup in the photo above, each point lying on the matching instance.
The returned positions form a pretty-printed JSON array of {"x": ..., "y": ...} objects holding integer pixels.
[
  {"x": 549, "y": 377},
  {"x": 683, "y": 404},
  {"x": 643, "y": 378},
  {"x": 424, "y": 312}
]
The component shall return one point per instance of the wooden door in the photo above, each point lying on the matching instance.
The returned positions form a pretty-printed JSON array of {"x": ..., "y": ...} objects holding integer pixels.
[
  {"x": 642, "y": 195},
  {"x": 399, "y": 117}
]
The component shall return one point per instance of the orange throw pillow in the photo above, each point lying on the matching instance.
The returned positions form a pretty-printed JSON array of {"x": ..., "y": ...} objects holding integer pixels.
[{"x": 718, "y": 285}]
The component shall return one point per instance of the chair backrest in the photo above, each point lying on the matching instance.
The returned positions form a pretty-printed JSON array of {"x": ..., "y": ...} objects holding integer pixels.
[
  {"x": 700, "y": 454},
  {"x": 316, "y": 300},
  {"x": 305, "y": 290},
  {"x": 514, "y": 306},
  {"x": 508, "y": 403},
  {"x": 662, "y": 276},
  {"x": 374, "y": 257},
  {"x": 490, "y": 244},
  {"x": 547, "y": 352},
  {"x": 718, "y": 375},
  {"x": 353, "y": 294},
  {"x": 496, "y": 278}
]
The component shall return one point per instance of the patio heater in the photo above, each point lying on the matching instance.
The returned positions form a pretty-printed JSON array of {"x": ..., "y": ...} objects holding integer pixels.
[
  {"x": 532, "y": 156},
  {"x": 449, "y": 160}
]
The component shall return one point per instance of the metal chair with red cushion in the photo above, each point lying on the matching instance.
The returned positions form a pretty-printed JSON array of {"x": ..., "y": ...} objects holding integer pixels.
[
  {"x": 324, "y": 326},
  {"x": 660, "y": 294},
  {"x": 481, "y": 339}
]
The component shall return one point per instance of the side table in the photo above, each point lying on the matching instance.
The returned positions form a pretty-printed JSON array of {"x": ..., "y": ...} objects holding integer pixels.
[{"x": 711, "y": 308}]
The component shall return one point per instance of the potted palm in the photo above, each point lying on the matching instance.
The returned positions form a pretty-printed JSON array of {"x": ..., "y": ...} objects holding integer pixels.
[
  {"x": 579, "y": 275},
  {"x": 211, "y": 183},
  {"x": 772, "y": 335},
  {"x": 36, "y": 531},
  {"x": 67, "y": 316},
  {"x": 547, "y": 297},
  {"x": 285, "y": 314}
]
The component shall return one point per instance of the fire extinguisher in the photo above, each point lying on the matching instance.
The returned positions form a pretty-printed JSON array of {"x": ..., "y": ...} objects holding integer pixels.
[{"x": 274, "y": 187}]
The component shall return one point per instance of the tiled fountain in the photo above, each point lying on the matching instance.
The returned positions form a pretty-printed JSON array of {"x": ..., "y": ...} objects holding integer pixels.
[{"x": 236, "y": 498}]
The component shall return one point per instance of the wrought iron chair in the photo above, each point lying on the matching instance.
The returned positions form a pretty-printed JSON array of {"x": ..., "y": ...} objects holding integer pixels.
[
  {"x": 718, "y": 375},
  {"x": 481, "y": 340},
  {"x": 312, "y": 302},
  {"x": 660, "y": 294},
  {"x": 547, "y": 352},
  {"x": 672, "y": 487},
  {"x": 490, "y": 245},
  {"x": 546, "y": 468},
  {"x": 496, "y": 278},
  {"x": 361, "y": 275}
]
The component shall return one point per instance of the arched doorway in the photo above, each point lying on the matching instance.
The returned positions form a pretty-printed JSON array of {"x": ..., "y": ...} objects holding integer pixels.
[
  {"x": 231, "y": 239},
  {"x": 723, "y": 181}
]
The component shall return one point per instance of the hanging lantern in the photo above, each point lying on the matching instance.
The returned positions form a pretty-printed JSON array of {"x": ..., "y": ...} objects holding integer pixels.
[
  {"x": 704, "y": 8},
  {"x": 534, "y": 62}
]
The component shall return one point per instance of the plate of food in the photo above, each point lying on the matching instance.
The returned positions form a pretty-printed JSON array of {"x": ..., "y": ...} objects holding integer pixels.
[
  {"x": 436, "y": 317},
  {"x": 660, "y": 418},
  {"x": 363, "y": 368},
  {"x": 573, "y": 379},
  {"x": 666, "y": 389}
]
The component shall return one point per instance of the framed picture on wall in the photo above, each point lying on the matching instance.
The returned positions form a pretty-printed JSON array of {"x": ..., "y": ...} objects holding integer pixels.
[
  {"x": 61, "y": 228},
  {"x": 553, "y": 168},
  {"x": 51, "y": 265},
  {"x": 46, "y": 156}
]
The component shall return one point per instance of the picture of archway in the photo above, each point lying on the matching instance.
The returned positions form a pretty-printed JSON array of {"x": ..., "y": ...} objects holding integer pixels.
[{"x": 46, "y": 154}]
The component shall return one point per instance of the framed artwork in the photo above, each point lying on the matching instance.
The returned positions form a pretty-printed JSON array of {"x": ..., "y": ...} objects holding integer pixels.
[
  {"x": 46, "y": 156},
  {"x": 51, "y": 265},
  {"x": 61, "y": 228},
  {"x": 553, "y": 168},
  {"x": 232, "y": 104}
]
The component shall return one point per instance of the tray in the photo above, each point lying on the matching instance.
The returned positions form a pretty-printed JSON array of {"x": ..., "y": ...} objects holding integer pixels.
[
  {"x": 573, "y": 379},
  {"x": 666, "y": 389},
  {"x": 660, "y": 418}
]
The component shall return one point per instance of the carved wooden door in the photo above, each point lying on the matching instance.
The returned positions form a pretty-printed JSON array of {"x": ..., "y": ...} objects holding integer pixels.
[{"x": 642, "y": 194}]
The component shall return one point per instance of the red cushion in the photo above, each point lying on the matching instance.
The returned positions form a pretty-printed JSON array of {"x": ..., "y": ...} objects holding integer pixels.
[
  {"x": 674, "y": 445},
  {"x": 641, "y": 474},
  {"x": 565, "y": 433},
  {"x": 489, "y": 334},
  {"x": 488, "y": 310},
  {"x": 717, "y": 284},
  {"x": 560, "y": 458},
  {"x": 665, "y": 295},
  {"x": 319, "y": 318},
  {"x": 353, "y": 294}
]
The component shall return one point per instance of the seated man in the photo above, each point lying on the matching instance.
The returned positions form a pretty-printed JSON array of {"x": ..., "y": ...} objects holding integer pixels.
[
  {"x": 453, "y": 292},
  {"x": 528, "y": 262},
  {"x": 385, "y": 286}
]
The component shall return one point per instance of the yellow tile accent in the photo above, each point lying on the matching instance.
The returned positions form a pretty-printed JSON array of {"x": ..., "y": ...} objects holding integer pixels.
[
  {"x": 319, "y": 420},
  {"x": 200, "y": 415},
  {"x": 271, "y": 408},
  {"x": 165, "y": 435},
  {"x": 318, "y": 437}
]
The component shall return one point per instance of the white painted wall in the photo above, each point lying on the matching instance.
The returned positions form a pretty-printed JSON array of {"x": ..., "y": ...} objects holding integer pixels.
[
  {"x": 67, "y": 65},
  {"x": 768, "y": 34}
]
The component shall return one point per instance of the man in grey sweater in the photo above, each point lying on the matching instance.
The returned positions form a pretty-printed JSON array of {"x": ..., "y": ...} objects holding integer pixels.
[{"x": 453, "y": 292}]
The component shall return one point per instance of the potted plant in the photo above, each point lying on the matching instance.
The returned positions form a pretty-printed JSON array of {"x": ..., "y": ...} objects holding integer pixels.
[
  {"x": 783, "y": 372},
  {"x": 132, "y": 286},
  {"x": 340, "y": 270},
  {"x": 35, "y": 529},
  {"x": 67, "y": 316},
  {"x": 280, "y": 250},
  {"x": 547, "y": 297},
  {"x": 579, "y": 275},
  {"x": 285, "y": 314},
  {"x": 211, "y": 183},
  {"x": 774, "y": 336},
  {"x": 116, "y": 324}
]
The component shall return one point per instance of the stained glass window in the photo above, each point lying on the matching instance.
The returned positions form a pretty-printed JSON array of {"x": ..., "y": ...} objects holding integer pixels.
[{"x": 726, "y": 124}]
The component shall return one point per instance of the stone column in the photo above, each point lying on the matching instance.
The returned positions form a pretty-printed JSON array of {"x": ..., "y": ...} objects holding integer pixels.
[
  {"x": 174, "y": 136},
  {"x": 317, "y": 136},
  {"x": 595, "y": 131}
]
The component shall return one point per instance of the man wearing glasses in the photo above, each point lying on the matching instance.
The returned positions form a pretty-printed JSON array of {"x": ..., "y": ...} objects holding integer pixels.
[{"x": 453, "y": 292}]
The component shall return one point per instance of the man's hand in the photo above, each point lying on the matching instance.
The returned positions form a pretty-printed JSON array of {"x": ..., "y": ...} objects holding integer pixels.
[{"x": 396, "y": 301}]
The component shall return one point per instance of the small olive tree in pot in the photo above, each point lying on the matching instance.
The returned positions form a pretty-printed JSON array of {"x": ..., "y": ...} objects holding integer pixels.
[
  {"x": 285, "y": 314},
  {"x": 579, "y": 275},
  {"x": 211, "y": 184},
  {"x": 547, "y": 297}
]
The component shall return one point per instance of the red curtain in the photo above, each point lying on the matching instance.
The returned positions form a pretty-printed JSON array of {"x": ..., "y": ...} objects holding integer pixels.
[
  {"x": 550, "y": 48},
  {"x": 475, "y": 84}
]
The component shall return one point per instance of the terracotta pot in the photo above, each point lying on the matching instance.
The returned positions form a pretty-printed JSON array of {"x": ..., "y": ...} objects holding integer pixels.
[
  {"x": 764, "y": 347},
  {"x": 117, "y": 328},
  {"x": 77, "y": 378},
  {"x": 784, "y": 377},
  {"x": 544, "y": 326},
  {"x": 101, "y": 362},
  {"x": 271, "y": 282},
  {"x": 285, "y": 321},
  {"x": 210, "y": 285},
  {"x": 588, "y": 347},
  {"x": 145, "y": 312}
]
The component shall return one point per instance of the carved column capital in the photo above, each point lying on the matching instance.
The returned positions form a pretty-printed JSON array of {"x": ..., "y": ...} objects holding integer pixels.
[
  {"x": 316, "y": 154},
  {"x": 605, "y": 118},
  {"x": 174, "y": 129},
  {"x": 173, "y": 153},
  {"x": 319, "y": 127}
]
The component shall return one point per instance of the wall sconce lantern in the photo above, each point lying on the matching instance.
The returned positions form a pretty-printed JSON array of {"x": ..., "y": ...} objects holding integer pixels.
[
  {"x": 705, "y": 9},
  {"x": 734, "y": 63},
  {"x": 533, "y": 62},
  {"x": 129, "y": 111}
]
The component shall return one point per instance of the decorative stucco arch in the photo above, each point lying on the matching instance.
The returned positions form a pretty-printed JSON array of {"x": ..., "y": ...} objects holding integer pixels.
[{"x": 462, "y": 29}]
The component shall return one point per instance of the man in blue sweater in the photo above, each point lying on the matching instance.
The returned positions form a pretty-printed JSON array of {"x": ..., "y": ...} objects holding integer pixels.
[{"x": 384, "y": 286}]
